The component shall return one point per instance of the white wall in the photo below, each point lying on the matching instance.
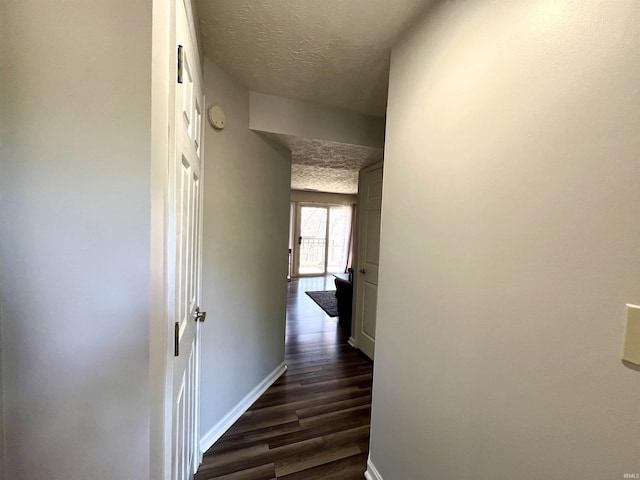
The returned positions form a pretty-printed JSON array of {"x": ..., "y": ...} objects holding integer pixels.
[
  {"x": 74, "y": 238},
  {"x": 246, "y": 222},
  {"x": 160, "y": 327},
  {"x": 510, "y": 244},
  {"x": 273, "y": 114}
]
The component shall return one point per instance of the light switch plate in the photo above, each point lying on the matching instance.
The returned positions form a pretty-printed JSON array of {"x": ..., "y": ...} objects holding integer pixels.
[{"x": 632, "y": 335}]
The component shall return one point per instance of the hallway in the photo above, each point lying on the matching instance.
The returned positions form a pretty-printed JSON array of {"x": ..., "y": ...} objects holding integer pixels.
[{"x": 313, "y": 423}]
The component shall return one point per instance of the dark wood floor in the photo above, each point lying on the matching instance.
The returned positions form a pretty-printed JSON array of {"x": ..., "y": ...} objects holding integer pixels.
[{"x": 313, "y": 423}]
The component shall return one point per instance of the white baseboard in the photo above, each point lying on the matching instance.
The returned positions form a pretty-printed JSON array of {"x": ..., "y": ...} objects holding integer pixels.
[
  {"x": 372, "y": 473},
  {"x": 352, "y": 342},
  {"x": 236, "y": 412}
]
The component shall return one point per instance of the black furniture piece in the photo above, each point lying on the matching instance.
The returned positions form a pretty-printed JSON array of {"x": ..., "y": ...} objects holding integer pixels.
[{"x": 344, "y": 295}]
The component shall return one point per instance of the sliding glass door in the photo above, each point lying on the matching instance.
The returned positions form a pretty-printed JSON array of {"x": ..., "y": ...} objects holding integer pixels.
[
  {"x": 338, "y": 238},
  {"x": 323, "y": 239},
  {"x": 312, "y": 240}
]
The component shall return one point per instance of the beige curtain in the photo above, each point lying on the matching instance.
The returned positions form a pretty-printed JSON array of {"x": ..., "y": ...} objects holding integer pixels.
[{"x": 350, "y": 240}]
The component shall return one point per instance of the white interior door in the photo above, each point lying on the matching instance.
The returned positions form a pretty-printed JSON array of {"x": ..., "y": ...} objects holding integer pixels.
[
  {"x": 370, "y": 204},
  {"x": 185, "y": 238}
]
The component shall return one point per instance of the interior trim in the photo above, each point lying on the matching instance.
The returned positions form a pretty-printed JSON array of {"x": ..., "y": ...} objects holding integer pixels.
[
  {"x": 372, "y": 472},
  {"x": 236, "y": 412}
]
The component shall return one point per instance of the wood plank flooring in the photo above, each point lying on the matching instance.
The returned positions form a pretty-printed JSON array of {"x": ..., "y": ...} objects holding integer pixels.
[{"x": 313, "y": 423}]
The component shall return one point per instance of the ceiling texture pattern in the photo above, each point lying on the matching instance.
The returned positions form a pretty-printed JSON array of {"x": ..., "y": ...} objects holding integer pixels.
[
  {"x": 332, "y": 52},
  {"x": 323, "y": 179},
  {"x": 327, "y": 166}
]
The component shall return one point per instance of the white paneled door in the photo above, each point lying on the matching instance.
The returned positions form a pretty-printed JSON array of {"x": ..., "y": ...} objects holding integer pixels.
[
  {"x": 185, "y": 238},
  {"x": 370, "y": 206}
]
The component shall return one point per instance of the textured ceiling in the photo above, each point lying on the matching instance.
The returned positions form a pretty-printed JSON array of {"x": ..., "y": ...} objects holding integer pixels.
[
  {"x": 322, "y": 179},
  {"x": 326, "y": 166},
  {"x": 334, "y": 52}
]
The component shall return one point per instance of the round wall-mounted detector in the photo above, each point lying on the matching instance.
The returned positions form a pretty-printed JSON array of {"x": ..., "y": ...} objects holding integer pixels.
[{"x": 217, "y": 118}]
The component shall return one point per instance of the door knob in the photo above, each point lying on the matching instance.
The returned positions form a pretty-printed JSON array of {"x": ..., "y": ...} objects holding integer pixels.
[
  {"x": 200, "y": 316},
  {"x": 363, "y": 271}
]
